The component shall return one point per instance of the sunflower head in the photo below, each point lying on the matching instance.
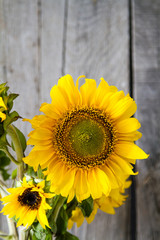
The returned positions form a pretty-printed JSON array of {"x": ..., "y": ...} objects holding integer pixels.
[
  {"x": 85, "y": 139},
  {"x": 27, "y": 203}
]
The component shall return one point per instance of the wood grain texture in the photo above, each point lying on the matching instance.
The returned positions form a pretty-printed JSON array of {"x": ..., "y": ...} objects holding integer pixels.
[
  {"x": 51, "y": 41},
  {"x": 96, "y": 44},
  {"x": 147, "y": 94},
  {"x": 97, "y": 40},
  {"x": 19, "y": 59}
]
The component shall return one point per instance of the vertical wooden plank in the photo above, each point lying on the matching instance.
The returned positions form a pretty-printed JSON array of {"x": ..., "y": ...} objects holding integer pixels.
[
  {"x": 51, "y": 39},
  {"x": 19, "y": 58},
  {"x": 97, "y": 45},
  {"x": 97, "y": 40},
  {"x": 147, "y": 93},
  {"x": 20, "y": 54}
]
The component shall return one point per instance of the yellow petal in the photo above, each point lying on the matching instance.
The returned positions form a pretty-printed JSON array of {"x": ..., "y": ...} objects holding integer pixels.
[
  {"x": 128, "y": 125},
  {"x": 125, "y": 108},
  {"x": 93, "y": 184},
  {"x": 50, "y": 111},
  {"x": 70, "y": 91},
  {"x": 124, "y": 165},
  {"x": 42, "y": 133},
  {"x": 22, "y": 217},
  {"x": 41, "y": 216},
  {"x": 2, "y": 103},
  {"x": 111, "y": 177},
  {"x": 131, "y": 137},
  {"x": 81, "y": 185},
  {"x": 29, "y": 218},
  {"x": 130, "y": 150},
  {"x": 87, "y": 91},
  {"x": 2, "y": 116}
]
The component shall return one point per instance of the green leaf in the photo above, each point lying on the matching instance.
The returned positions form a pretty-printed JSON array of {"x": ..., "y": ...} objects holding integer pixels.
[
  {"x": 1, "y": 129},
  {"x": 62, "y": 222},
  {"x": 10, "y": 99},
  {"x": 14, "y": 174},
  {"x": 22, "y": 139},
  {"x": 53, "y": 227},
  {"x": 5, "y": 175},
  {"x": 4, "y": 161},
  {"x": 40, "y": 233},
  {"x": 71, "y": 206},
  {"x": 34, "y": 237},
  {"x": 67, "y": 236},
  {"x": 87, "y": 206},
  {"x": 3, "y": 88},
  {"x": 30, "y": 171}
]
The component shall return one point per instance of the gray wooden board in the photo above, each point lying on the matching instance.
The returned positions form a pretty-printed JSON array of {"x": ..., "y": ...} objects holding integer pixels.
[
  {"x": 19, "y": 59},
  {"x": 146, "y": 15},
  {"x": 97, "y": 45}
]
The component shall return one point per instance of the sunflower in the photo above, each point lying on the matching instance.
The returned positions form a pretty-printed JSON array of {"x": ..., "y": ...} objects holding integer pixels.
[
  {"x": 27, "y": 203},
  {"x": 106, "y": 204},
  {"x": 2, "y": 108},
  {"x": 85, "y": 138},
  {"x": 115, "y": 199},
  {"x": 78, "y": 217}
]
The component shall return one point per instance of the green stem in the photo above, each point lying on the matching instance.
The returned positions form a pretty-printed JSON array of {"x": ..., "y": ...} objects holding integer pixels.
[
  {"x": 18, "y": 149},
  {"x": 10, "y": 156},
  {"x": 57, "y": 209}
]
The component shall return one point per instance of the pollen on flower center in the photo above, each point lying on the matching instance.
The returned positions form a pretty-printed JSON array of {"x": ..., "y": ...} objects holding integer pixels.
[
  {"x": 30, "y": 198},
  {"x": 87, "y": 138},
  {"x": 84, "y": 138}
]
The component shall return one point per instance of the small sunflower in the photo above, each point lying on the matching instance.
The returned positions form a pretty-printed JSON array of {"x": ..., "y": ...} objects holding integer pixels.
[
  {"x": 115, "y": 199},
  {"x": 85, "y": 139},
  {"x": 106, "y": 204},
  {"x": 27, "y": 203},
  {"x": 78, "y": 217},
  {"x": 2, "y": 108}
]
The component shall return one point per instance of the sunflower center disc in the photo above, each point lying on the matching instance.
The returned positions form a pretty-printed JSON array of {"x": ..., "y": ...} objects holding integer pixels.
[
  {"x": 30, "y": 198},
  {"x": 84, "y": 138},
  {"x": 87, "y": 138}
]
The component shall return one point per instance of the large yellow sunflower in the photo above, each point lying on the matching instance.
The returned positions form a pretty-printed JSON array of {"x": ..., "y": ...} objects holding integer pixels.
[
  {"x": 27, "y": 203},
  {"x": 85, "y": 139}
]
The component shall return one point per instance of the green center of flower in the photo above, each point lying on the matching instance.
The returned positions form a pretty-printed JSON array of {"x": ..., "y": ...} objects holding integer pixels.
[
  {"x": 30, "y": 198},
  {"x": 87, "y": 138},
  {"x": 84, "y": 138}
]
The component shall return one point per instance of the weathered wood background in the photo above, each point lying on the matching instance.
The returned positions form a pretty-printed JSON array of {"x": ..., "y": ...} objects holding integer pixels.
[{"x": 41, "y": 40}]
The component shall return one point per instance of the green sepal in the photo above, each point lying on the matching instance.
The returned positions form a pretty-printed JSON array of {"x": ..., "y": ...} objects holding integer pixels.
[
  {"x": 12, "y": 117},
  {"x": 22, "y": 139},
  {"x": 86, "y": 206},
  {"x": 67, "y": 236}
]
